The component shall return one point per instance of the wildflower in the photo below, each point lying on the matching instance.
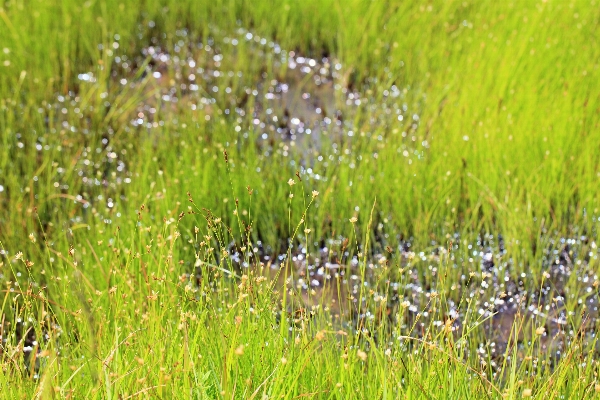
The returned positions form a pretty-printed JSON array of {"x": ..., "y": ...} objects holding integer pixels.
[
  {"x": 448, "y": 326},
  {"x": 405, "y": 304},
  {"x": 353, "y": 220},
  {"x": 315, "y": 193},
  {"x": 388, "y": 352},
  {"x": 291, "y": 182},
  {"x": 32, "y": 237},
  {"x": 240, "y": 350},
  {"x": 291, "y": 195},
  {"x": 540, "y": 331},
  {"x": 19, "y": 255},
  {"x": 307, "y": 231},
  {"x": 362, "y": 355},
  {"x": 283, "y": 360},
  {"x": 546, "y": 275},
  {"x": 527, "y": 392}
]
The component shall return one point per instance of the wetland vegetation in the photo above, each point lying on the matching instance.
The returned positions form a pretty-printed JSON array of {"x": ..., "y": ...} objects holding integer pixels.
[{"x": 317, "y": 199}]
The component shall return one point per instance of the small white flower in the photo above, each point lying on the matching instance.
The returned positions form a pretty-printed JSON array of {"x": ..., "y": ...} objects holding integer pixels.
[
  {"x": 546, "y": 275},
  {"x": 291, "y": 182}
]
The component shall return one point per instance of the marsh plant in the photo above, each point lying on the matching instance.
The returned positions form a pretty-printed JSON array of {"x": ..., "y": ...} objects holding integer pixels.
[{"x": 234, "y": 199}]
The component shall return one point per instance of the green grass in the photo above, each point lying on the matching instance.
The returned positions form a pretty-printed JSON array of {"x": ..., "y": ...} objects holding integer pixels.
[{"x": 506, "y": 143}]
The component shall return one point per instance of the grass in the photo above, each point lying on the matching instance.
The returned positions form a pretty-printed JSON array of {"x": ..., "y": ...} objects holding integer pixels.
[{"x": 130, "y": 284}]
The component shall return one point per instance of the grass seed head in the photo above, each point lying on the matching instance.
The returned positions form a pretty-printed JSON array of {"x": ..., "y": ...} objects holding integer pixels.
[
  {"x": 540, "y": 331},
  {"x": 362, "y": 355}
]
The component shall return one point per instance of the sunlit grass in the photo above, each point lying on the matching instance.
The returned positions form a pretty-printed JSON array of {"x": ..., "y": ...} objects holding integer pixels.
[{"x": 132, "y": 280}]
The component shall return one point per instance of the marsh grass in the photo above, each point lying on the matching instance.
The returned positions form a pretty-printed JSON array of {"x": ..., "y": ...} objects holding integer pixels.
[
  {"x": 137, "y": 324},
  {"x": 117, "y": 283}
]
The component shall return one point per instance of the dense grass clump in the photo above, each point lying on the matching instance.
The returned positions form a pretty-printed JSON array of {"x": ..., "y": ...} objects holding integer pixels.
[{"x": 232, "y": 199}]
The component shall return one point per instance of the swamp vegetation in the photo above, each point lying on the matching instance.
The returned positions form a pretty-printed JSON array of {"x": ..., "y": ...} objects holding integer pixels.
[{"x": 283, "y": 199}]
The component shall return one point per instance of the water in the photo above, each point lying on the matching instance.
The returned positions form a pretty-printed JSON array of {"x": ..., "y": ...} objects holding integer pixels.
[{"x": 414, "y": 291}]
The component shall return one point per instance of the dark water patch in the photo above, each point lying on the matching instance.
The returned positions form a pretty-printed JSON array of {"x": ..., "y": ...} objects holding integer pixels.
[
  {"x": 280, "y": 98},
  {"x": 469, "y": 289},
  {"x": 469, "y": 292}
]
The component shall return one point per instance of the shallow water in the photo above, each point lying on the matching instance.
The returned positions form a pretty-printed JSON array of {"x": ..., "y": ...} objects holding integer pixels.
[{"x": 511, "y": 309}]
